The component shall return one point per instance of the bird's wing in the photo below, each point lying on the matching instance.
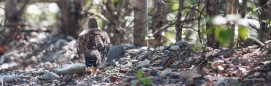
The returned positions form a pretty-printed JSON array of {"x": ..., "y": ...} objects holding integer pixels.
[{"x": 82, "y": 42}]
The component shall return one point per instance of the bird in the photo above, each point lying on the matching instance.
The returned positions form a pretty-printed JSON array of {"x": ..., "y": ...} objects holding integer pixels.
[{"x": 93, "y": 45}]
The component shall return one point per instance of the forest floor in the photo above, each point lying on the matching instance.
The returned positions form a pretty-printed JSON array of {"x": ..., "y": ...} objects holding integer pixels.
[{"x": 51, "y": 60}]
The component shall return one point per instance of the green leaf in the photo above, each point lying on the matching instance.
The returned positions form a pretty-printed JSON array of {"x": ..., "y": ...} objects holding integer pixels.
[
  {"x": 134, "y": 84},
  {"x": 242, "y": 31},
  {"x": 249, "y": 9},
  {"x": 223, "y": 35},
  {"x": 139, "y": 74},
  {"x": 146, "y": 80},
  {"x": 175, "y": 6}
]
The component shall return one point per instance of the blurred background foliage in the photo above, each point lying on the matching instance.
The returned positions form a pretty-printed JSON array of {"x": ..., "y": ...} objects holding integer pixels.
[{"x": 195, "y": 18}]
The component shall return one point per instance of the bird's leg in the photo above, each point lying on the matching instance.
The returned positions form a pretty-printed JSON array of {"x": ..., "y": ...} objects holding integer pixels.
[{"x": 93, "y": 71}]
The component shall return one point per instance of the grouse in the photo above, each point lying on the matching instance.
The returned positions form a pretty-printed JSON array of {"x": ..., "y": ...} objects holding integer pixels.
[{"x": 93, "y": 45}]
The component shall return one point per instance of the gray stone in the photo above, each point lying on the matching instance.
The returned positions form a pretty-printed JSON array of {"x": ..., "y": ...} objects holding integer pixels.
[
  {"x": 71, "y": 68},
  {"x": 174, "y": 47},
  {"x": 161, "y": 48},
  {"x": 49, "y": 75},
  {"x": 7, "y": 78},
  {"x": 115, "y": 52},
  {"x": 181, "y": 43},
  {"x": 60, "y": 43},
  {"x": 173, "y": 75},
  {"x": 143, "y": 63},
  {"x": 165, "y": 73},
  {"x": 70, "y": 38},
  {"x": 9, "y": 56}
]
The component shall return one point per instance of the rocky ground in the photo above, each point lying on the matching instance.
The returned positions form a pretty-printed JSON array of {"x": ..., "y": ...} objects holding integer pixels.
[{"x": 51, "y": 60}]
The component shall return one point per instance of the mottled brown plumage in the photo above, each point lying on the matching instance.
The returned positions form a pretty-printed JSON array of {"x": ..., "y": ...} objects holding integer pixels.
[{"x": 93, "y": 45}]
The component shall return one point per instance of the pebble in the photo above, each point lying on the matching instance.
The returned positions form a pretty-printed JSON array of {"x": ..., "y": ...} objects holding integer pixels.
[
  {"x": 143, "y": 63},
  {"x": 174, "y": 47},
  {"x": 49, "y": 76},
  {"x": 165, "y": 73}
]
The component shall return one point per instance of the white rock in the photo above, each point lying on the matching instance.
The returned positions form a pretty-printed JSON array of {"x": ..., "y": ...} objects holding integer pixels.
[
  {"x": 217, "y": 64},
  {"x": 174, "y": 47},
  {"x": 143, "y": 63},
  {"x": 9, "y": 65}
]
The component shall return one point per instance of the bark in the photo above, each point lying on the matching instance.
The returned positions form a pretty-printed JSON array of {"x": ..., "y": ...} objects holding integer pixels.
[
  {"x": 158, "y": 22},
  {"x": 140, "y": 24},
  {"x": 14, "y": 10},
  {"x": 178, "y": 23},
  {"x": 114, "y": 23},
  {"x": 264, "y": 16},
  {"x": 70, "y": 14},
  {"x": 212, "y": 10},
  {"x": 13, "y": 13},
  {"x": 242, "y": 10}
]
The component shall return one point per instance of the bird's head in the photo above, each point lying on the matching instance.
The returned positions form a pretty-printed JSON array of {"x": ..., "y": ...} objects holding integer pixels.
[{"x": 92, "y": 22}]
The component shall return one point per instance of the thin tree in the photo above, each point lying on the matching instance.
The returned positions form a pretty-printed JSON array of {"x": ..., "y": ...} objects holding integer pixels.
[
  {"x": 212, "y": 10},
  {"x": 141, "y": 18},
  {"x": 178, "y": 26},
  {"x": 70, "y": 14},
  {"x": 264, "y": 15}
]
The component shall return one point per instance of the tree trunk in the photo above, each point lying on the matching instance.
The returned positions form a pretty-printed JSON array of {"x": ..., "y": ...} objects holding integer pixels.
[
  {"x": 158, "y": 21},
  {"x": 13, "y": 13},
  {"x": 263, "y": 16},
  {"x": 178, "y": 26},
  {"x": 14, "y": 10},
  {"x": 243, "y": 8},
  {"x": 70, "y": 14},
  {"x": 114, "y": 23},
  {"x": 140, "y": 24},
  {"x": 212, "y": 10}
]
